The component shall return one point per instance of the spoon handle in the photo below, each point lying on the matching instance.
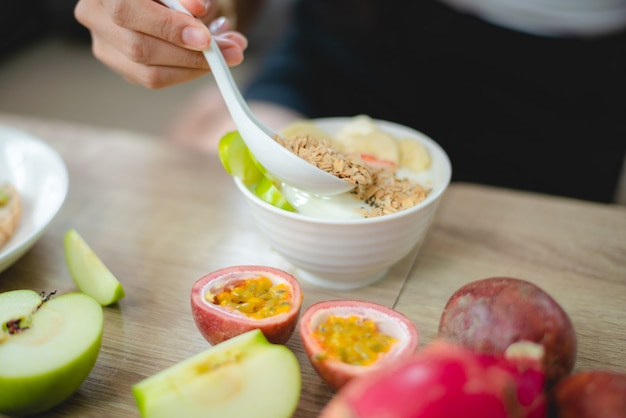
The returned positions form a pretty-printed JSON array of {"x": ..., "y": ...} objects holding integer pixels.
[{"x": 235, "y": 102}]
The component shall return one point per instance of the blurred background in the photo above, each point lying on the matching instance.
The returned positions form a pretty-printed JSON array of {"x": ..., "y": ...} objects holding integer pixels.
[
  {"x": 50, "y": 72},
  {"x": 47, "y": 70}
]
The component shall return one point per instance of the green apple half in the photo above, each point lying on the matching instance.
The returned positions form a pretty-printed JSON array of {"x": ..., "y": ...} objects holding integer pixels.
[
  {"x": 48, "y": 346},
  {"x": 245, "y": 376},
  {"x": 89, "y": 272}
]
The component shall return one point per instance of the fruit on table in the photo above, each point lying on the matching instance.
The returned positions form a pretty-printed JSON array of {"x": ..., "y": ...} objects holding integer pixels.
[
  {"x": 447, "y": 380},
  {"x": 233, "y": 300},
  {"x": 239, "y": 162},
  {"x": 246, "y": 376},
  {"x": 344, "y": 339},
  {"x": 90, "y": 274},
  {"x": 48, "y": 346},
  {"x": 488, "y": 315},
  {"x": 589, "y": 394}
]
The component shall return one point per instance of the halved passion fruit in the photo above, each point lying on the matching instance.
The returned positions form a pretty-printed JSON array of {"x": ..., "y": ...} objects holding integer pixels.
[
  {"x": 233, "y": 300},
  {"x": 348, "y": 338}
]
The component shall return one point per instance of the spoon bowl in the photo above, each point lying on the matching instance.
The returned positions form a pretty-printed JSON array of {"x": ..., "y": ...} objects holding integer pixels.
[{"x": 281, "y": 164}]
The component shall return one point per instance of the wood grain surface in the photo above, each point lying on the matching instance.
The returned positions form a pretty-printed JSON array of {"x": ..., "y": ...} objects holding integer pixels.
[{"x": 161, "y": 217}]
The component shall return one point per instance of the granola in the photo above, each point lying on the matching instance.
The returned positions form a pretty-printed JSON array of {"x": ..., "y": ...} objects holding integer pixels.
[
  {"x": 389, "y": 193},
  {"x": 322, "y": 155},
  {"x": 379, "y": 187}
]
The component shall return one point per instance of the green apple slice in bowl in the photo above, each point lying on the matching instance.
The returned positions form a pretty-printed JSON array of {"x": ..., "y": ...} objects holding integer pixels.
[
  {"x": 239, "y": 162},
  {"x": 245, "y": 376},
  {"x": 48, "y": 347}
]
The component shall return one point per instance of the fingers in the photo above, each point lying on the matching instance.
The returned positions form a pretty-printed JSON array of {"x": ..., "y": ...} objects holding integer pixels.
[
  {"x": 158, "y": 76},
  {"x": 151, "y": 75},
  {"x": 154, "y": 19},
  {"x": 205, "y": 10},
  {"x": 151, "y": 45},
  {"x": 219, "y": 25},
  {"x": 232, "y": 45}
]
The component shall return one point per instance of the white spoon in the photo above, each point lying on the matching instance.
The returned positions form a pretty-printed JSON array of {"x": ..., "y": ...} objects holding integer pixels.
[{"x": 281, "y": 163}]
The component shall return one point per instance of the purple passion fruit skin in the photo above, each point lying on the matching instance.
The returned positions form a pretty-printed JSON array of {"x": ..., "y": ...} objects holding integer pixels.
[
  {"x": 233, "y": 300},
  {"x": 488, "y": 315},
  {"x": 589, "y": 394}
]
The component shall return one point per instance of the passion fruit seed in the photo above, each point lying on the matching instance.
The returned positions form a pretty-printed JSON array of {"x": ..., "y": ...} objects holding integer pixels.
[
  {"x": 257, "y": 297},
  {"x": 353, "y": 339}
]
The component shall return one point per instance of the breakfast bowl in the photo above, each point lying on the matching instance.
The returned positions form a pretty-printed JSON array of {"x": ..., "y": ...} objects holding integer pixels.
[{"x": 333, "y": 251}]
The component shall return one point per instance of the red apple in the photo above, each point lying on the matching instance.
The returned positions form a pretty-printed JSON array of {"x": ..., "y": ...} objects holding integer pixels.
[
  {"x": 233, "y": 300},
  {"x": 348, "y": 338},
  {"x": 447, "y": 380},
  {"x": 489, "y": 315}
]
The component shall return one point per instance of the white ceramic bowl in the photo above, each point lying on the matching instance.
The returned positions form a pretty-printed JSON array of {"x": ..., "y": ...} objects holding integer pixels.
[
  {"x": 353, "y": 253},
  {"x": 40, "y": 176}
]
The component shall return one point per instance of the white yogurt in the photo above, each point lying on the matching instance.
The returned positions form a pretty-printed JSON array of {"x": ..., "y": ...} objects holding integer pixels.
[
  {"x": 341, "y": 206},
  {"x": 345, "y": 205}
]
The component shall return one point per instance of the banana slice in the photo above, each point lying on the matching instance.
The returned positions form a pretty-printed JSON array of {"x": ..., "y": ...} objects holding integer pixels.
[
  {"x": 361, "y": 136},
  {"x": 305, "y": 127},
  {"x": 413, "y": 155}
]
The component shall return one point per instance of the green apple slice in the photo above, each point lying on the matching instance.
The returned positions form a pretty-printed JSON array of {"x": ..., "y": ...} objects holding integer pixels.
[
  {"x": 47, "y": 348},
  {"x": 245, "y": 376},
  {"x": 267, "y": 191},
  {"x": 239, "y": 162},
  {"x": 89, "y": 272}
]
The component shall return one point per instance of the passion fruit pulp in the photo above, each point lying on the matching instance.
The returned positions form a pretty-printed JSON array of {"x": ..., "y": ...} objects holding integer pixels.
[
  {"x": 233, "y": 300},
  {"x": 344, "y": 339}
]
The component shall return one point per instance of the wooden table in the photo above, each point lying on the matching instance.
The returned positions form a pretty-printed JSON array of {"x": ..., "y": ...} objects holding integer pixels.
[{"x": 161, "y": 217}]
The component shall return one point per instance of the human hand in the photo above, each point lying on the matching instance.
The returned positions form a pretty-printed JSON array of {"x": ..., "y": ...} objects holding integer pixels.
[{"x": 154, "y": 46}]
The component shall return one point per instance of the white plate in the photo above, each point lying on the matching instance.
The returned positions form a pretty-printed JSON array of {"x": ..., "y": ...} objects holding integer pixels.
[{"x": 40, "y": 175}]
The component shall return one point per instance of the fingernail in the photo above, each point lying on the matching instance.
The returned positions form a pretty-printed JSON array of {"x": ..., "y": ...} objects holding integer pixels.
[
  {"x": 207, "y": 4},
  {"x": 217, "y": 25},
  {"x": 195, "y": 37}
]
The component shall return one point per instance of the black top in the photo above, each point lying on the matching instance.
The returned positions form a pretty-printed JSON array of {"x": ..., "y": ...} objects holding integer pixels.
[
  {"x": 511, "y": 109},
  {"x": 25, "y": 22}
]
